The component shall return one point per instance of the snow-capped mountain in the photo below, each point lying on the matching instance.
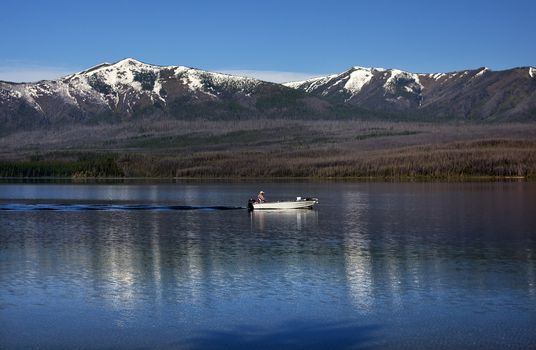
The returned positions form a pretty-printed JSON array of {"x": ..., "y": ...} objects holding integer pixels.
[
  {"x": 123, "y": 89},
  {"x": 111, "y": 84},
  {"x": 355, "y": 79},
  {"x": 479, "y": 93},
  {"x": 131, "y": 89}
]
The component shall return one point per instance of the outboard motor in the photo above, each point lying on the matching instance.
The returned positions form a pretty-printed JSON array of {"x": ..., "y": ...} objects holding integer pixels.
[{"x": 250, "y": 204}]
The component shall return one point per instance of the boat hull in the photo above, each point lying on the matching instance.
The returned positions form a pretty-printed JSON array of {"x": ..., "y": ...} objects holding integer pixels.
[{"x": 304, "y": 204}]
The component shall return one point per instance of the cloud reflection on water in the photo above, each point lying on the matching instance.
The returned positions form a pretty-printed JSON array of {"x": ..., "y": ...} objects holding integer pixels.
[{"x": 290, "y": 335}]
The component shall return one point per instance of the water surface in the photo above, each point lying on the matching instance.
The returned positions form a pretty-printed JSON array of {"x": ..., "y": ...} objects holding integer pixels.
[{"x": 376, "y": 265}]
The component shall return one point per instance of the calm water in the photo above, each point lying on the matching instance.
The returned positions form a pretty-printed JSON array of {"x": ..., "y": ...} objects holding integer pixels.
[{"x": 374, "y": 266}]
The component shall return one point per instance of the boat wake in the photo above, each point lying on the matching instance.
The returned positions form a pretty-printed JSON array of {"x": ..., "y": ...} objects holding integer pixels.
[{"x": 108, "y": 207}]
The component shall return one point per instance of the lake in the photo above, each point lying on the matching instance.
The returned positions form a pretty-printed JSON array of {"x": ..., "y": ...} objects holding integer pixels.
[{"x": 178, "y": 265}]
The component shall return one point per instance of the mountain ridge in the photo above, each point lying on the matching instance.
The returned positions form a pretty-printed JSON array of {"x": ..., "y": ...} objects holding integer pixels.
[
  {"x": 103, "y": 64},
  {"x": 397, "y": 90},
  {"x": 131, "y": 88}
]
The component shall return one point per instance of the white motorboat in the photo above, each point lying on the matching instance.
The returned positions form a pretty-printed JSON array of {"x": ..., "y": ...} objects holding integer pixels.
[{"x": 299, "y": 203}]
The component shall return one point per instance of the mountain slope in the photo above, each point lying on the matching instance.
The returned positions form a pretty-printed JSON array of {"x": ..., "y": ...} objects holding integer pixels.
[
  {"x": 475, "y": 94},
  {"x": 130, "y": 88}
]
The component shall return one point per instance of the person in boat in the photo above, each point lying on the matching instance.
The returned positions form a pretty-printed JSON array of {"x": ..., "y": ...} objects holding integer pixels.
[{"x": 260, "y": 197}]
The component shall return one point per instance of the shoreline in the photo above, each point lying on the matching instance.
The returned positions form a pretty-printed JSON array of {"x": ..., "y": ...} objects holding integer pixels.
[{"x": 460, "y": 179}]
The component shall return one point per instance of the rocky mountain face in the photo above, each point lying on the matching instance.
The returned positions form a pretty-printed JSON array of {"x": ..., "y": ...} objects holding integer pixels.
[
  {"x": 131, "y": 89},
  {"x": 480, "y": 94}
]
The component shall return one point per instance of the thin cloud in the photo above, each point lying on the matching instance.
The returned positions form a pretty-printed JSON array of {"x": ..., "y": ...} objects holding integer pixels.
[
  {"x": 30, "y": 73},
  {"x": 270, "y": 75}
]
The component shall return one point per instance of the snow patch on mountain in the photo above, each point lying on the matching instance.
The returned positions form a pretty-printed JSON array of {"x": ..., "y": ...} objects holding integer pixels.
[
  {"x": 436, "y": 76},
  {"x": 29, "y": 93},
  {"x": 357, "y": 79},
  {"x": 190, "y": 78},
  {"x": 9, "y": 93},
  {"x": 354, "y": 80},
  {"x": 481, "y": 72},
  {"x": 351, "y": 81},
  {"x": 121, "y": 77},
  {"x": 120, "y": 74},
  {"x": 532, "y": 72},
  {"x": 80, "y": 84},
  {"x": 410, "y": 81},
  {"x": 64, "y": 91},
  {"x": 157, "y": 89},
  {"x": 310, "y": 85},
  {"x": 204, "y": 81}
]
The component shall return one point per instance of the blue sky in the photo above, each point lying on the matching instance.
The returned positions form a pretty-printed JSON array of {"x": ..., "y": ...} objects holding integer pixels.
[{"x": 278, "y": 40}]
